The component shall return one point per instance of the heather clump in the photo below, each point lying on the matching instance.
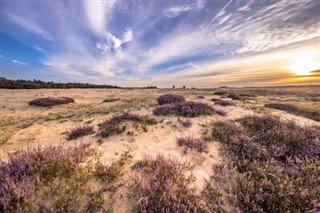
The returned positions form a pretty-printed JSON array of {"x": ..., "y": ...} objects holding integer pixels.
[
  {"x": 223, "y": 102},
  {"x": 165, "y": 185},
  {"x": 170, "y": 99},
  {"x": 314, "y": 115},
  {"x": 269, "y": 156},
  {"x": 80, "y": 131},
  {"x": 186, "y": 109},
  {"x": 186, "y": 123},
  {"x": 35, "y": 172},
  {"x": 113, "y": 126},
  {"x": 50, "y": 101},
  {"x": 193, "y": 143}
]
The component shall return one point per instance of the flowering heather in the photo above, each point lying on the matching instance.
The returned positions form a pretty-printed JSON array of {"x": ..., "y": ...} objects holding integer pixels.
[
  {"x": 220, "y": 112},
  {"x": 234, "y": 96},
  {"x": 193, "y": 109},
  {"x": 284, "y": 107},
  {"x": 80, "y": 131},
  {"x": 270, "y": 156},
  {"x": 165, "y": 185},
  {"x": 221, "y": 102},
  {"x": 164, "y": 109},
  {"x": 29, "y": 173},
  {"x": 314, "y": 115},
  {"x": 112, "y": 126},
  {"x": 193, "y": 143},
  {"x": 170, "y": 99},
  {"x": 50, "y": 101},
  {"x": 186, "y": 123},
  {"x": 186, "y": 109}
]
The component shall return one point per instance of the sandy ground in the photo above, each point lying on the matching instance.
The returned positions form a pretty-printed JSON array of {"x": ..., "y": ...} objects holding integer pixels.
[{"x": 23, "y": 125}]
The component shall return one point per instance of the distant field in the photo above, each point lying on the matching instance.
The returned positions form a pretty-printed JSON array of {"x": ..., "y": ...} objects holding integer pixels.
[{"x": 244, "y": 153}]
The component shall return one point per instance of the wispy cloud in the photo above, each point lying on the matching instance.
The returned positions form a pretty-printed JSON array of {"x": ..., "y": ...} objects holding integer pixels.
[
  {"x": 161, "y": 42},
  {"x": 179, "y": 9},
  {"x": 18, "y": 62}
]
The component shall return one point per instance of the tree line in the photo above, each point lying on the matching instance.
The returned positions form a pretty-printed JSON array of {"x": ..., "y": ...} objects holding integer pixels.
[{"x": 37, "y": 84}]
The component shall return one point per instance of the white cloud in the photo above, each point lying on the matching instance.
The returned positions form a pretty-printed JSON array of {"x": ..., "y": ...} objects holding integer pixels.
[
  {"x": 113, "y": 43},
  {"x": 18, "y": 62},
  {"x": 179, "y": 9},
  {"x": 31, "y": 26},
  {"x": 97, "y": 12}
]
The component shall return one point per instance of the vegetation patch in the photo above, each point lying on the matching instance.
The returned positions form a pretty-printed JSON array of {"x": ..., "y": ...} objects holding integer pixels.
[
  {"x": 221, "y": 102},
  {"x": 170, "y": 99},
  {"x": 110, "y": 100},
  {"x": 33, "y": 173},
  {"x": 113, "y": 126},
  {"x": 193, "y": 143},
  {"x": 268, "y": 158},
  {"x": 314, "y": 115},
  {"x": 80, "y": 131},
  {"x": 186, "y": 109},
  {"x": 165, "y": 185},
  {"x": 186, "y": 123},
  {"x": 50, "y": 101}
]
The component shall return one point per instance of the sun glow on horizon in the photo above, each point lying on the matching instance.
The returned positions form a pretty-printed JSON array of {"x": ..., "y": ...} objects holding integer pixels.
[{"x": 304, "y": 65}]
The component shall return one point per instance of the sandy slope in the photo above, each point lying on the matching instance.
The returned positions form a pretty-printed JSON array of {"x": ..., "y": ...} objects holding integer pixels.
[{"x": 49, "y": 128}]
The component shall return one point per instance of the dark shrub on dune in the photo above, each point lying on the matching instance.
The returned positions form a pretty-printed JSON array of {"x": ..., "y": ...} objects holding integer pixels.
[
  {"x": 164, "y": 109},
  {"x": 193, "y": 143},
  {"x": 170, "y": 99},
  {"x": 112, "y": 125},
  {"x": 186, "y": 109},
  {"x": 80, "y": 131},
  {"x": 234, "y": 96},
  {"x": 186, "y": 123},
  {"x": 50, "y": 101},
  {"x": 193, "y": 109},
  {"x": 220, "y": 93},
  {"x": 222, "y": 102},
  {"x": 284, "y": 107}
]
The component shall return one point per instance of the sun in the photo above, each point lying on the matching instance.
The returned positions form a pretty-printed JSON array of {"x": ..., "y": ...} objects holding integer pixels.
[{"x": 304, "y": 66}]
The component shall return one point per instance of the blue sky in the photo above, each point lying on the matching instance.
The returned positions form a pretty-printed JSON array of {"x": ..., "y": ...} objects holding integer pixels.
[{"x": 200, "y": 43}]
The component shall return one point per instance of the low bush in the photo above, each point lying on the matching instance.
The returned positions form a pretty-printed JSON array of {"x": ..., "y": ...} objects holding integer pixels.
[
  {"x": 269, "y": 157},
  {"x": 110, "y": 100},
  {"x": 34, "y": 179},
  {"x": 79, "y": 131},
  {"x": 50, "y": 101},
  {"x": 234, "y": 96},
  {"x": 186, "y": 123},
  {"x": 113, "y": 126},
  {"x": 186, "y": 109},
  {"x": 200, "y": 97},
  {"x": 284, "y": 107},
  {"x": 165, "y": 185},
  {"x": 223, "y": 102},
  {"x": 314, "y": 115},
  {"x": 164, "y": 109},
  {"x": 193, "y": 143},
  {"x": 170, "y": 99},
  {"x": 220, "y": 93},
  {"x": 220, "y": 112}
]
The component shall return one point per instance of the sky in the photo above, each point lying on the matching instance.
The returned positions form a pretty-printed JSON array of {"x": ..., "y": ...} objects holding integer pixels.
[{"x": 199, "y": 43}]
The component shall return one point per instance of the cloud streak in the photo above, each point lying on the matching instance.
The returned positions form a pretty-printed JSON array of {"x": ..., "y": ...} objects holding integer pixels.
[{"x": 148, "y": 42}]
